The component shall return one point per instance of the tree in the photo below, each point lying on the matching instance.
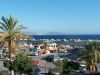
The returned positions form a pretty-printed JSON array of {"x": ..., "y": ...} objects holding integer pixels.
[
  {"x": 22, "y": 64},
  {"x": 10, "y": 33},
  {"x": 67, "y": 66},
  {"x": 91, "y": 56},
  {"x": 45, "y": 46}
]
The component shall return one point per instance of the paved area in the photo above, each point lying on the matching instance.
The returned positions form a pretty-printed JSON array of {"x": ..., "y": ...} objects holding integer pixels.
[{"x": 43, "y": 65}]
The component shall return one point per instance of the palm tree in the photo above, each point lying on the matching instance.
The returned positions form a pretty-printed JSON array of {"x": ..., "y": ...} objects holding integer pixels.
[
  {"x": 91, "y": 56},
  {"x": 11, "y": 33},
  {"x": 45, "y": 46}
]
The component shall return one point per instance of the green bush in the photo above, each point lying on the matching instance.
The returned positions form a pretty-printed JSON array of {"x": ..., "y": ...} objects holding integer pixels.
[
  {"x": 3, "y": 73},
  {"x": 67, "y": 66},
  {"x": 21, "y": 64}
]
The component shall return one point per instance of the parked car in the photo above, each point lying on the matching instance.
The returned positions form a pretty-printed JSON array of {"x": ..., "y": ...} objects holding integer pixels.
[
  {"x": 53, "y": 58},
  {"x": 50, "y": 72},
  {"x": 82, "y": 68},
  {"x": 62, "y": 57},
  {"x": 37, "y": 71},
  {"x": 35, "y": 53},
  {"x": 53, "y": 72},
  {"x": 63, "y": 51}
]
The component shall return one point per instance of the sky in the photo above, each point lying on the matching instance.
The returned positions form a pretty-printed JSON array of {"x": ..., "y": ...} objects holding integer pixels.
[{"x": 65, "y": 16}]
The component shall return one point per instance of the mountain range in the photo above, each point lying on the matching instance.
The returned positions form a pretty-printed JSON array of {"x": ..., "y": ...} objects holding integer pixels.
[
  {"x": 55, "y": 33},
  {"x": 49, "y": 33}
]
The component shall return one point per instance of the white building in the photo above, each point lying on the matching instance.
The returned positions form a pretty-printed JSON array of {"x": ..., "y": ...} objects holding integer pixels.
[{"x": 52, "y": 47}]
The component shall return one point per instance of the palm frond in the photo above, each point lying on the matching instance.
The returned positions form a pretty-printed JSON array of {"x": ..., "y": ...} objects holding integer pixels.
[
  {"x": 20, "y": 27},
  {"x": 4, "y": 26},
  {"x": 20, "y": 35},
  {"x": 11, "y": 22},
  {"x": 2, "y": 43},
  {"x": 3, "y": 29},
  {"x": 15, "y": 23},
  {"x": 5, "y": 20},
  {"x": 3, "y": 36}
]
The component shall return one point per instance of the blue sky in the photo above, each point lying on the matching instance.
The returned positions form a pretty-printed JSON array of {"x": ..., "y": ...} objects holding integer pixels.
[{"x": 66, "y": 16}]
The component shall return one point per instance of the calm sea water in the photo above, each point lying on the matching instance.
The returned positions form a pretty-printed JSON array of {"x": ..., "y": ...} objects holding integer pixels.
[{"x": 82, "y": 37}]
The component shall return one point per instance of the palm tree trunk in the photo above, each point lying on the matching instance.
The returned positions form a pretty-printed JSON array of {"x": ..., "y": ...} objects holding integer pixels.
[
  {"x": 10, "y": 53},
  {"x": 95, "y": 56},
  {"x": 10, "y": 48}
]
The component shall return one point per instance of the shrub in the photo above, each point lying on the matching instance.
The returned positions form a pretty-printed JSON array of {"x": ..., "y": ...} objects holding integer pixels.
[
  {"x": 3, "y": 73},
  {"x": 21, "y": 64},
  {"x": 67, "y": 66}
]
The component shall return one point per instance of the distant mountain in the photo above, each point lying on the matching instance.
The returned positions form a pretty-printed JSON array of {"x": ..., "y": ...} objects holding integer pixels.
[
  {"x": 32, "y": 33},
  {"x": 49, "y": 33},
  {"x": 55, "y": 33}
]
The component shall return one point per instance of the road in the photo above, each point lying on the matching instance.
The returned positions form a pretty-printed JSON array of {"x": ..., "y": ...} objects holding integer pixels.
[{"x": 44, "y": 66}]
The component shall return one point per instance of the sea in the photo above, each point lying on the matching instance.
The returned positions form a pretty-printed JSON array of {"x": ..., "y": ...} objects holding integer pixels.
[{"x": 82, "y": 37}]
